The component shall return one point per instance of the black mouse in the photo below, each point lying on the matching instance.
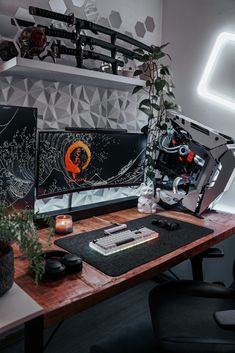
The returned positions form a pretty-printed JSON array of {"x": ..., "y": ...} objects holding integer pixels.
[
  {"x": 159, "y": 222},
  {"x": 172, "y": 225}
]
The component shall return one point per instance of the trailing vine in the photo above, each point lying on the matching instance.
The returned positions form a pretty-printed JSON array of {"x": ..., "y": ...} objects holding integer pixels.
[{"x": 158, "y": 98}]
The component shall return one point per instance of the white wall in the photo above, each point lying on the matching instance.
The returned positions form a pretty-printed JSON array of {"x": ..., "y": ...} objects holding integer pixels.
[{"x": 192, "y": 28}]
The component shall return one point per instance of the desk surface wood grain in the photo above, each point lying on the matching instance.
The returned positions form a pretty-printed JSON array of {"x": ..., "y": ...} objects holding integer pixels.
[{"x": 74, "y": 293}]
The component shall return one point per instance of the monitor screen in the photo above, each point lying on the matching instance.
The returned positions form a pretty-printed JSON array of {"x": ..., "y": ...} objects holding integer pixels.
[{"x": 75, "y": 161}]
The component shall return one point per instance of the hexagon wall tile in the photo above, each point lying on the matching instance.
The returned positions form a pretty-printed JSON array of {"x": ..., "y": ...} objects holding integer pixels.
[
  {"x": 149, "y": 24},
  {"x": 115, "y": 19},
  {"x": 140, "y": 29}
]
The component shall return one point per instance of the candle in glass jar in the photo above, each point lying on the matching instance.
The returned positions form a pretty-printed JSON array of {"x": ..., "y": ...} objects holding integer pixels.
[{"x": 63, "y": 224}]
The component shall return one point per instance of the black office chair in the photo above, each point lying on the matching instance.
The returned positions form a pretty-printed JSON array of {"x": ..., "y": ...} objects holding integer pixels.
[
  {"x": 188, "y": 316},
  {"x": 193, "y": 317}
]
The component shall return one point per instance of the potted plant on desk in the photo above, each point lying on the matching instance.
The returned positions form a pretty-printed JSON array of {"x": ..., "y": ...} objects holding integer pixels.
[
  {"x": 158, "y": 97},
  {"x": 19, "y": 227}
]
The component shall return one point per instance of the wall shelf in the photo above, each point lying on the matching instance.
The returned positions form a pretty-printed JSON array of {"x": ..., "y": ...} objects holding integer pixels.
[{"x": 62, "y": 73}]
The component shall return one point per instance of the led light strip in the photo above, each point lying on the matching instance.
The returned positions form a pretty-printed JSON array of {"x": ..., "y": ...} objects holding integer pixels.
[{"x": 203, "y": 87}]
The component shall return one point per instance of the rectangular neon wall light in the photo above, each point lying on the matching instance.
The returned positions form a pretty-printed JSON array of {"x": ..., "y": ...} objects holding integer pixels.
[{"x": 203, "y": 89}]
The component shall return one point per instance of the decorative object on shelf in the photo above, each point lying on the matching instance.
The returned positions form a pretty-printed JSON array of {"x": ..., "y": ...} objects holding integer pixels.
[
  {"x": 158, "y": 98},
  {"x": 8, "y": 50},
  {"x": 63, "y": 224},
  {"x": 148, "y": 199},
  {"x": 127, "y": 72},
  {"x": 19, "y": 227},
  {"x": 33, "y": 40},
  {"x": 106, "y": 67}
]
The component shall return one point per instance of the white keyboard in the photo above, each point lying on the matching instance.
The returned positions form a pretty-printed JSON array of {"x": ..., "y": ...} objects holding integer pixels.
[{"x": 120, "y": 241}]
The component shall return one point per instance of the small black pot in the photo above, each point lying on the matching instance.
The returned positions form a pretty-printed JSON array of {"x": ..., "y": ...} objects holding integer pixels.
[{"x": 6, "y": 267}]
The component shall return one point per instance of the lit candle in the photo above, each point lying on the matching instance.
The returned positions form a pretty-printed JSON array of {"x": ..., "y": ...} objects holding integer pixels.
[{"x": 63, "y": 224}]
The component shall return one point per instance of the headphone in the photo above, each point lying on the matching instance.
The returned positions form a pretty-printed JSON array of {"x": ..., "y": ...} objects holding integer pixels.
[{"x": 58, "y": 263}]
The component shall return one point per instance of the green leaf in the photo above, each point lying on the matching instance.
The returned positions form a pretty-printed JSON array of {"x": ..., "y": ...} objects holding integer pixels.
[
  {"x": 169, "y": 105},
  {"x": 137, "y": 72},
  {"x": 171, "y": 94},
  {"x": 164, "y": 70},
  {"x": 137, "y": 89},
  {"x": 155, "y": 106},
  {"x": 150, "y": 175},
  {"x": 160, "y": 84},
  {"x": 144, "y": 129},
  {"x": 145, "y": 57},
  {"x": 155, "y": 97},
  {"x": 155, "y": 49},
  {"x": 158, "y": 55},
  {"x": 145, "y": 102},
  {"x": 163, "y": 127},
  {"x": 146, "y": 111},
  {"x": 138, "y": 50}
]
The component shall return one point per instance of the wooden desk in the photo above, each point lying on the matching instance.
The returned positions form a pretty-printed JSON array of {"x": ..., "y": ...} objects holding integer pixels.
[{"x": 74, "y": 293}]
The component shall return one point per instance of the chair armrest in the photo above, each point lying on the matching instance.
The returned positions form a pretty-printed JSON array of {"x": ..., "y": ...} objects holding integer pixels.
[
  {"x": 197, "y": 260},
  {"x": 225, "y": 319}
]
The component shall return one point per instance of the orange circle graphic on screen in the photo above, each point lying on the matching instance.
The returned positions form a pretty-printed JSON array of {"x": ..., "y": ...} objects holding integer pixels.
[{"x": 77, "y": 164}]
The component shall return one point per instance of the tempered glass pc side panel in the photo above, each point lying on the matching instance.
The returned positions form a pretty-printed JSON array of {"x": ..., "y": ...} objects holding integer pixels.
[
  {"x": 17, "y": 151},
  {"x": 72, "y": 161}
]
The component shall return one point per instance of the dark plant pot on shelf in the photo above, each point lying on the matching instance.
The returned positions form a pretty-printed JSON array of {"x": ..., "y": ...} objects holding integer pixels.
[{"x": 6, "y": 267}]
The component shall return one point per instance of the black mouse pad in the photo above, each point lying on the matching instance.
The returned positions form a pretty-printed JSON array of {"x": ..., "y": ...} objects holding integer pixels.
[{"x": 119, "y": 263}]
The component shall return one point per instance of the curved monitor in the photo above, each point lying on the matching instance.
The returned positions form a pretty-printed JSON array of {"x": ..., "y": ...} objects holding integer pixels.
[{"x": 72, "y": 161}]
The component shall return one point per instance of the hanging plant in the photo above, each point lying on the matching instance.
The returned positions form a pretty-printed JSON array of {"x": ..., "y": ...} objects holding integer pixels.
[{"x": 158, "y": 98}]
